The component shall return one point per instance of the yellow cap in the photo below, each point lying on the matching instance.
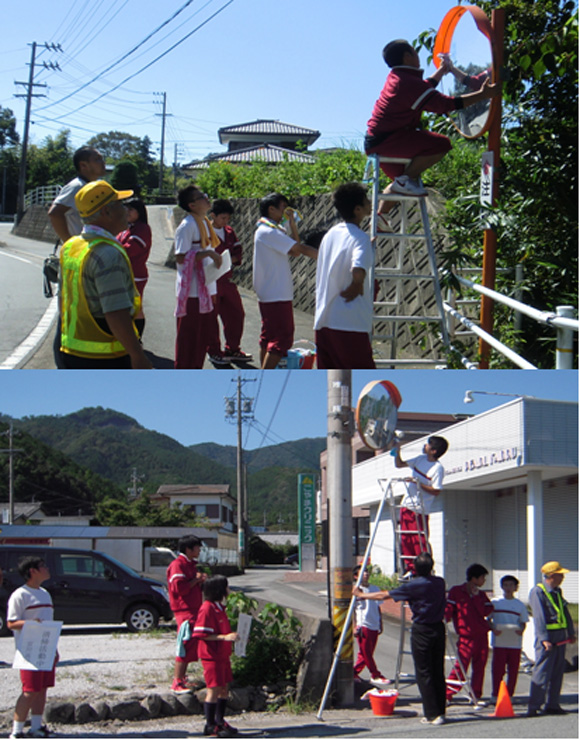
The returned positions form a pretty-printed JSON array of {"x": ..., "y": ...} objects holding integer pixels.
[
  {"x": 552, "y": 567},
  {"x": 95, "y": 195}
]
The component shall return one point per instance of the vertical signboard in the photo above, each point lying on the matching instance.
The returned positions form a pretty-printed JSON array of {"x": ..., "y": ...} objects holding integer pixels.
[
  {"x": 486, "y": 186},
  {"x": 307, "y": 522}
]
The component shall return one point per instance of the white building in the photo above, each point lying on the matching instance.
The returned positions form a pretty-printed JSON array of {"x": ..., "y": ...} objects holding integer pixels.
[{"x": 510, "y": 497}]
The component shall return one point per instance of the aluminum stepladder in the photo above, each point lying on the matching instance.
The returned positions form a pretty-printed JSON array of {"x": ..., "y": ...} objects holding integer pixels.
[
  {"x": 393, "y": 502},
  {"x": 394, "y": 505},
  {"x": 386, "y": 490},
  {"x": 418, "y": 285}
]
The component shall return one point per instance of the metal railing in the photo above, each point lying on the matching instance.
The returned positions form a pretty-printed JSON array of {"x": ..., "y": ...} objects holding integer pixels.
[
  {"x": 41, "y": 196},
  {"x": 218, "y": 556},
  {"x": 562, "y": 319}
]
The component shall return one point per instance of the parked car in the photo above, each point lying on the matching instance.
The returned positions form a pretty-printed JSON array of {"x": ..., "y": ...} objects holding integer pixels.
[
  {"x": 88, "y": 587},
  {"x": 292, "y": 559}
]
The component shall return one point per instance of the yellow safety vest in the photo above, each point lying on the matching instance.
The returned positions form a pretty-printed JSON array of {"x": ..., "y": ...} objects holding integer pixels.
[
  {"x": 80, "y": 333},
  {"x": 561, "y": 624}
]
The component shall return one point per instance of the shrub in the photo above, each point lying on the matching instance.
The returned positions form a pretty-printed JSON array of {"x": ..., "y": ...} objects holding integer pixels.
[{"x": 274, "y": 650}]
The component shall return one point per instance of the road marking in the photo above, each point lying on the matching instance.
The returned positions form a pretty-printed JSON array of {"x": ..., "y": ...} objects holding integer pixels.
[
  {"x": 14, "y": 257},
  {"x": 26, "y": 348}
]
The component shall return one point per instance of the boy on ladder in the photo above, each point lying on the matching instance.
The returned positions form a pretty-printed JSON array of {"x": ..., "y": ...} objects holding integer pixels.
[{"x": 417, "y": 502}]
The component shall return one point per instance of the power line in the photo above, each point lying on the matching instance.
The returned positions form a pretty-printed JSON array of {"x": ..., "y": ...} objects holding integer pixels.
[
  {"x": 150, "y": 64},
  {"x": 125, "y": 56},
  {"x": 276, "y": 407}
]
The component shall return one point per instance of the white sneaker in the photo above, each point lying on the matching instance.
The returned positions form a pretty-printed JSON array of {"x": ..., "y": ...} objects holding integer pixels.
[
  {"x": 380, "y": 683},
  {"x": 403, "y": 185},
  {"x": 437, "y": 721}
]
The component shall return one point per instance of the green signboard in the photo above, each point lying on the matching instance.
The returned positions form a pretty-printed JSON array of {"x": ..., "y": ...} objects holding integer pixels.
[{"x": 307, "y": 522}]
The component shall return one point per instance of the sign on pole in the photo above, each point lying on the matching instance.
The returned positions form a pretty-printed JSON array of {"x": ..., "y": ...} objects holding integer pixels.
[
  {"x": 486, "y": 184},
  {"x": 307, "y": 522}
]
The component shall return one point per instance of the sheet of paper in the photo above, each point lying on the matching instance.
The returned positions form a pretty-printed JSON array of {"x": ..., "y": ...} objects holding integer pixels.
[
  {"x": 36, "y": 646},
  {"x": 212, "y": 272},
  {"x": 244, "y": 624}
]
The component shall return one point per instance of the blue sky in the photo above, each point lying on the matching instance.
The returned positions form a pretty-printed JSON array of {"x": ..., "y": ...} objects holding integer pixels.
[
  {"x": 189, "y": 406},
  {"x": 315, "y": 64}
]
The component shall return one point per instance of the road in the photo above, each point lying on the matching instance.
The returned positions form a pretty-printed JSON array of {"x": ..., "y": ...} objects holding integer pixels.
[
  {"x": 27, "y": 316},
  {"x": 111, "y": 664}
]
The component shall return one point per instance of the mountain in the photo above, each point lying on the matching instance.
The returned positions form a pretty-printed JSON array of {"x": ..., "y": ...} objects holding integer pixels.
[
  {"x": 299, "y": 454},
  {"x": 45, "y": 475},
  {"x": 111, "y": 445}
]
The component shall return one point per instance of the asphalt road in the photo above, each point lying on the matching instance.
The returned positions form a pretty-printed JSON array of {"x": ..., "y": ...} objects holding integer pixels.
[
  {"x": 108, "y": 662},
  {"x": 29, "y": 318}
]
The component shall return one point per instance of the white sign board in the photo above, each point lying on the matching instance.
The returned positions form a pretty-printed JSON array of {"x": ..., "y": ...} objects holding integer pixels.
[
  {"x": 36, "y": 646},
  {"x": 244, "y": 624}
]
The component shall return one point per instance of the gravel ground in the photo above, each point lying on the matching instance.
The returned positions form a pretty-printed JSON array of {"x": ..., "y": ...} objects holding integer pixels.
[{"x": 99, "y": 663}]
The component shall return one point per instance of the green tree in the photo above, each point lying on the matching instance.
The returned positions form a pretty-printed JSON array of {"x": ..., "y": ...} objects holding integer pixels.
[
  {"x": 50, "y": 163},
  {"x": 8, "y": 134},
  {"x": 125, "y": 176},
  {"x": 537, "y": 214},
  {"x": 9, "y": 161}
]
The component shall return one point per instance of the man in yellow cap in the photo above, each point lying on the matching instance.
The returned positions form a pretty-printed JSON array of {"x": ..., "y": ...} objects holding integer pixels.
[
  {"x": 554, "y": 629},
  {"x": 97, "y": 290}
]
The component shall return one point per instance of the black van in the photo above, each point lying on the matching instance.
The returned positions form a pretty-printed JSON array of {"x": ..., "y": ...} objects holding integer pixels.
[{"x": 88, "y": 587}]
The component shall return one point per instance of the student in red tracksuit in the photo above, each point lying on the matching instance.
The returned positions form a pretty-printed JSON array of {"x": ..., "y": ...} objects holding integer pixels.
[
  {"x": 469, "y": 609},
  {"x": 394, "y": 128},
  {"x": 184, "y": 584},
  {"x": 214, "y": 637},
  {"x": 228, "y": 302}
]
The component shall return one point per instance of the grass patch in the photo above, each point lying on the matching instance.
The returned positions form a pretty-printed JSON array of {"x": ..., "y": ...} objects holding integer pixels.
[{"x": 118, "y": 688}]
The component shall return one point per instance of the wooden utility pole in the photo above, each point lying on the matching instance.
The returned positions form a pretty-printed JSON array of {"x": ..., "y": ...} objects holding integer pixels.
[{"x": 490, "y": 235}]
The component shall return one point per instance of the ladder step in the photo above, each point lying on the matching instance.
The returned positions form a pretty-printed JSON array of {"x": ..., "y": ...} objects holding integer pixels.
[
  {"x": 398, "y": 235},
  {"x": 441, "y": 362},
  {"x": 412, "y": 531},
  {"x": 386, "y": 272},
  {"x": 397, "y": 196},
  {"x": 407, "y": 318}
]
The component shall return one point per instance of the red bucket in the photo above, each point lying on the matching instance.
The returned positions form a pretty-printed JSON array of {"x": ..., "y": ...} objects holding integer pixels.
[{"x": 383, "y": 702}]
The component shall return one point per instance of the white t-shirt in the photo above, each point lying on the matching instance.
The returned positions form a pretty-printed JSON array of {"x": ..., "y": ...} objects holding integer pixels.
[
  {"x": 508, "y": 616},
  {"x": 343, "y": 248},
  {"x": 367, "y": 612},
  {"x": 29, "y": 603},
  {"x": 429, "y": 473},
  {"x": 271, "y": 266},
  {"x": 187, "y": 238},
  {"x": 66, "y": 198}
]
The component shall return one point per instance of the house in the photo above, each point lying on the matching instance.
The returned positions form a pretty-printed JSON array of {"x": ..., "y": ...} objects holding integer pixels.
[
  {"x": 509, "y": 500},
  {"x": 265, "y": 139},
  {"x": 213, "y": 502},
  {"x": 34, "y": 514}
]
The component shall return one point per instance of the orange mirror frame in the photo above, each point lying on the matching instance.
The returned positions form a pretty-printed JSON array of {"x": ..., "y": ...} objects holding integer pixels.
[{"x": 443, "y": 46}]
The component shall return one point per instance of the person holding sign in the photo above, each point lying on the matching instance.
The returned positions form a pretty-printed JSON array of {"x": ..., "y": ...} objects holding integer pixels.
[
  {"x": 214, "y": 632},
  {"x": 28, "y": 603},
  {"x": 195, "y": 249}
]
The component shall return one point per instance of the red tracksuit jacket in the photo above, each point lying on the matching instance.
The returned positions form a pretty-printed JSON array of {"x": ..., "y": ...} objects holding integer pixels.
[{"x": 468, "y": 612}]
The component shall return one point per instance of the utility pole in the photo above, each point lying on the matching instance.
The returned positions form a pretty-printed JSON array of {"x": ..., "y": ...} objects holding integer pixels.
[
  {"x": 30, "y": 85},
  {"x": 240, "y": 406},
  {"x": 340, "y": 523},
  {"x": 162, "y": 155},
  {"x": 175, "y": 168},
  {"x": 11, "y": 452}
]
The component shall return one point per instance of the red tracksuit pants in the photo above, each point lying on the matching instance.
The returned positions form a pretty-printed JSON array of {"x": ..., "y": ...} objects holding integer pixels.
[
  {"x": 474, "y": 652},
  {"x": 502, "y": 658},
  {"x": 413, "y": 544},
  {"x": 367, "y": 642},
  {"x": 231, "y": 311}
]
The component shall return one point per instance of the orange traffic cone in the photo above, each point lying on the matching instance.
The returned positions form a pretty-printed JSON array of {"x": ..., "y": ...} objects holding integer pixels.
[{"x": 503, "y": 707}]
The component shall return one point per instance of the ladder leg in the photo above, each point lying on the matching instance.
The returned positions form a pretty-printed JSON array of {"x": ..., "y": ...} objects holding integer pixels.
[{"x": 433, "y": 264}]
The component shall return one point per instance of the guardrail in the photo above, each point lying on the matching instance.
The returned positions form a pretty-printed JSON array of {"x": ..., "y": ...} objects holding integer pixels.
[
  {"x": 562, "y": 320},
  {"x": 218, "y": 556},
  {"x": 41, "y": 196}
]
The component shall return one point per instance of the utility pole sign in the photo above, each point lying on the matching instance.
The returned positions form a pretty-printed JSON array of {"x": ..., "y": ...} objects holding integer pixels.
[{"x": 307, "y": 523}]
